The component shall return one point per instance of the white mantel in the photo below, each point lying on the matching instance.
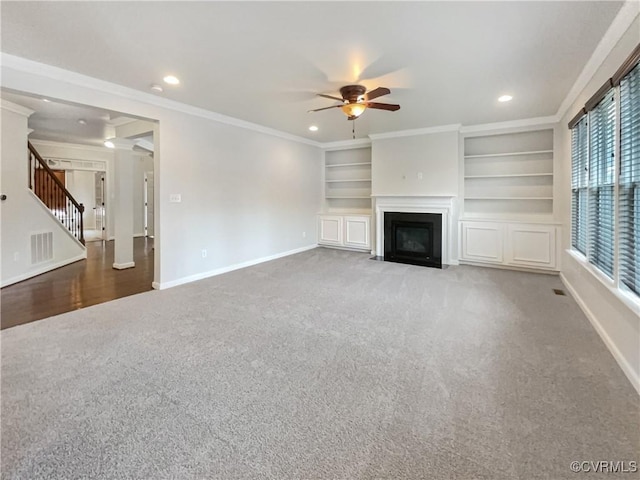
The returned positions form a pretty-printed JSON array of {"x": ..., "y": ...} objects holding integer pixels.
[{"x": 444, "y": 205}]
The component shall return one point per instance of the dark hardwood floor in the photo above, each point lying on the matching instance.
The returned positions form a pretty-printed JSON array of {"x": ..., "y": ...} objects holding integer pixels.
[{"x": 78, "y": 285}]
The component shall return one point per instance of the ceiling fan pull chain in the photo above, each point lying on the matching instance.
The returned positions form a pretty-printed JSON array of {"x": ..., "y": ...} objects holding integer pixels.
[{"x": 353, "y": 128}]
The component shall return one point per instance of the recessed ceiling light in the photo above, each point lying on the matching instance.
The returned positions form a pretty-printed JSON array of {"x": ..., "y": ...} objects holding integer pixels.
[
  {"x": 82, "y": 121},
  {"x": 109, "y": 144},
  {"x": 313, "y": 128},
  {"x": 171, "y": 80},
  {"x": 46, "y": 100},
  {"x": 157, "y": 88},
  {"x": 505, "y": 98}
]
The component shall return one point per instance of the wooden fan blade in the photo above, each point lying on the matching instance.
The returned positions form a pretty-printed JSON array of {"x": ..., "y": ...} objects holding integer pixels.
[
  {"x": 375, "y": 93},
  {"x": 383, "y": 106},
  {"x": 329, "y": 96},
  {"x": 325, "y": 108}
]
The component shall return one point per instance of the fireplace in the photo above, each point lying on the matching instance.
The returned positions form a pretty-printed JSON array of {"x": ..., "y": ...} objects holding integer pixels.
[{"x": 414, "y": 238}]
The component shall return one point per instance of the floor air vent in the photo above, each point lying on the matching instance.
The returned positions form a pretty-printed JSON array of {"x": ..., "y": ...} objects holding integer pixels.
[
  {"x": 41, "y": 247},
  {"x": 557, "y": 291}
]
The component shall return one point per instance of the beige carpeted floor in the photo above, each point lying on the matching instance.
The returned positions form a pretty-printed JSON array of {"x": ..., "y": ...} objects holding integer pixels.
[{"x": 322, "y": 365}]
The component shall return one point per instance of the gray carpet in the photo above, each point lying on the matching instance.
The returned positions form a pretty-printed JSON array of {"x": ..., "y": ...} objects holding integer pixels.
[{"x": 322, "y": 365}]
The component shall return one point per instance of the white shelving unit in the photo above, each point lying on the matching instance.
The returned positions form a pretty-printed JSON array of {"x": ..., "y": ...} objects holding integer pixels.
[
  {"x": 509, "y": 175},
  {"x": 507, "y": 215},
  {"x": 348, "y": 180},
  {"x": 345, "y": 220}
]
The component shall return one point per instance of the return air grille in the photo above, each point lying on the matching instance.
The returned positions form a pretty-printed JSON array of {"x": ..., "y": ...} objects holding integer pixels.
[{"x": 41, "y": 247}]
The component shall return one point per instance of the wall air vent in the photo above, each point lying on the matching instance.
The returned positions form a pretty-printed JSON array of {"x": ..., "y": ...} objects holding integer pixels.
[{"x": 41, "y": 247}]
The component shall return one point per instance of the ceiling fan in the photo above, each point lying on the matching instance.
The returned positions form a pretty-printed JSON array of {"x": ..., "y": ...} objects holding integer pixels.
[{"x": 355, "y": 100}]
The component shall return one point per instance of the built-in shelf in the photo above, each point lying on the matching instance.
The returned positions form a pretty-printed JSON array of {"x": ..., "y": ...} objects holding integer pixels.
[
  {"x": 348, "y": 196},
  {"x": 510, "y": 154},
  {"x": 509, "y": 175},
  {"x": 347, "y": 164},
  {"x": 350, "y": 181},
  {"x": 508, "y": 198},
  {"x": 512, "y": 175}
]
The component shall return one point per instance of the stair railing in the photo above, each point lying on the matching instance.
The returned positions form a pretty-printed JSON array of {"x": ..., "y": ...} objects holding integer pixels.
[{"x": 54, "y": 195}]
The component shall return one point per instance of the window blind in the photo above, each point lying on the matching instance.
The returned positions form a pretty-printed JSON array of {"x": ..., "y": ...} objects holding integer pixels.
[
  {"x": 629, "y": 182},
  {"x": 600, "y": 236},
  {"x": 579, "y": 177}
]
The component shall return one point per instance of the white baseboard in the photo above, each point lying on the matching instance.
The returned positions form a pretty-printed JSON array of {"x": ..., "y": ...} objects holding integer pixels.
[
  {"x": 122, "y": 266},
  {"x": 633, "y": 377},
  {"x": 230, "y": 268},
  {"x": 43, "y": 269}
]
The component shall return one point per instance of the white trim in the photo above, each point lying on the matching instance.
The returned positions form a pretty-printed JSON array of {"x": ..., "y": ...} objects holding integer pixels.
[
  {"x": 73, "y": 146},
  {"x": 404, "y": 195},
  {"x": 626, "y": 16},
  {"x": 19, "y": 109},
  {"x": 416, "y": 131},
  {"x": 633, "y": 377},
  {"x": 79, "y": 80},
  {"x": 43, "y": 269},
  {"x": 230, "y": 268},
  {"x": 498, "y": 128},
  {"x": 346, "y": 144},
  {"x": 122, "y": 266}
]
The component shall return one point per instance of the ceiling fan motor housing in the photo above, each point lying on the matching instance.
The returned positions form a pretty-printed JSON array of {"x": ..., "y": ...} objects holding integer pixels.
[{"x": 351, "y": 93}]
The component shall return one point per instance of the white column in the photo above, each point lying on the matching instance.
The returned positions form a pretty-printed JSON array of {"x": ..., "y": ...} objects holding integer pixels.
[{"x": 122, "y": 209}]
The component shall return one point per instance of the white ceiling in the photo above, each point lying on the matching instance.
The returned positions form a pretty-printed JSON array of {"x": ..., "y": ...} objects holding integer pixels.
[
  {"x": 445, "y": 62},
  {"x": 58, "y": 122}
]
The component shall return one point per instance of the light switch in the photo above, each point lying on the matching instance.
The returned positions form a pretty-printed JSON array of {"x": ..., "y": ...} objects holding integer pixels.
[{"x": 175, "y": 198}]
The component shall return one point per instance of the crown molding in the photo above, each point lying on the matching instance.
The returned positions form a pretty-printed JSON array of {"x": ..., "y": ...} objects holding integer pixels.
[
  {"x": 626, "y": 16},
  {"x": 416, "y": 131},
  {"x": 35, "y": 68},
  {"x": 12, "y": 107},
  {"x": 74, "y": 146},
  {"x": 347, "y": 144},
  {"x": 510, "y": 126}
]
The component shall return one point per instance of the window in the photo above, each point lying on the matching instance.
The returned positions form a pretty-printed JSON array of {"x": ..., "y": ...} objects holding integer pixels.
[
  {"x": 629, "y": 188},
  {"x": 602, "y": 122},
  {"x": 605, "y": 178},
  {"x": 579, "y": 175}
]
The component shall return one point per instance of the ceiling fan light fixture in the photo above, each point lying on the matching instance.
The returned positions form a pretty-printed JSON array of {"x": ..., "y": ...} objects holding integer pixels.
[{"x": 353, "y": 110}]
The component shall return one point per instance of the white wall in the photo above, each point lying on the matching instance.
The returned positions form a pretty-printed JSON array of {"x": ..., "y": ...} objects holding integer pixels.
[
  {"x": 246, "y": 195},
  {"x": 22, "y": 213},
  {"x": 617, "y": 323},
  {"x": 398, "y": 162}
]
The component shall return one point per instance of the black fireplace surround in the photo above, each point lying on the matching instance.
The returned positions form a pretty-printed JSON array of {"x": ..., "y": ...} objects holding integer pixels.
[{"x": 414, "y": 238}]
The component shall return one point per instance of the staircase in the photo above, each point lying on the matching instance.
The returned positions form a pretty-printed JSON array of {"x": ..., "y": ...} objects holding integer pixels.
[{"x": 51, "y": 191}]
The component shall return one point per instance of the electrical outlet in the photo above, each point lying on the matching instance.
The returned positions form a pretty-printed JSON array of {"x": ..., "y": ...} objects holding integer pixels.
[
  {"x": 419, "y": 175},
  {"x": 16, "y": 257},
  {"x": 304, "y": 234},
  {"x": 204, "y": 253},
  {"x": 175, "y": 198}
]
